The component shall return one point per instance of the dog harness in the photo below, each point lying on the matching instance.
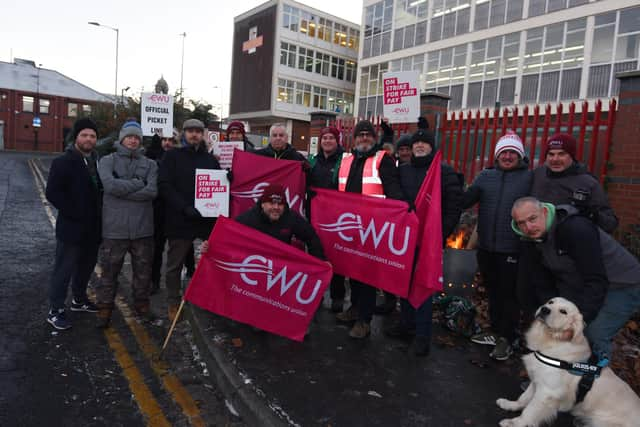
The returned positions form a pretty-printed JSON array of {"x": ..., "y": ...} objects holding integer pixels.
[{"x": 588, "y": 371}]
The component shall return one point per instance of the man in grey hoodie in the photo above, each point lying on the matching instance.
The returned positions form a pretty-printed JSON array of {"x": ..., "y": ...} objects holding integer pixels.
[{"x": 130, "y": 185}]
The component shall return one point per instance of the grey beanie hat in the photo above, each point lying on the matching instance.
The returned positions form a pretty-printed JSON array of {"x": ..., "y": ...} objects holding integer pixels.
[
  {"x": 130, "y": 128},
  {"x": 192, "y": 124}
]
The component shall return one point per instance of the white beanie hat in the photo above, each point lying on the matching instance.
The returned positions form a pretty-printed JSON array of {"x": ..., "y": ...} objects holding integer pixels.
[{"x": 509, "y": 141}]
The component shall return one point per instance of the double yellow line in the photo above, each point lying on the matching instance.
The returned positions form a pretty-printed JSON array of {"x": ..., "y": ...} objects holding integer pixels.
[{"x": 143, "y": 396}]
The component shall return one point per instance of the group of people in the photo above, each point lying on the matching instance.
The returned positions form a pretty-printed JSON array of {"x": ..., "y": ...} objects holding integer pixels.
[{"x": 541, "y": 233}]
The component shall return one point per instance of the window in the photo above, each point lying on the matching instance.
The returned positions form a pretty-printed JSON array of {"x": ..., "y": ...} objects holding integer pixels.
[
  {"x": 322, "y": 63},
  {"x": 481, "y": 20},
  {"x": 27, "y": 104},
  {"x": 449, "y": 18},
  {"x": 288, "y": 54},
  {"x": 319, "y": 98},
  {"x": 72, "y": 109},
  {"x": 549, "y": 83},
  {"x": 337, "y": 68},
  {"x": 490, "y": 93},
  {"x": 44, "y": 106},
  {"x": 529, "y": 92},
  {"x": 570, "y": 85},
  {"x": 377, "y": 29},
  {"x": 290, "y": 17},
  {"x": 303, "y": 94},
  {"x": 86, "y": 109},
  {"x": 305, "y": 59},
  {"x": 351, "y": 69},
  {"x": 285, "y": 91},
  {"x": 340, "y": 34},
  {"x": 354, "y": 39},
  {"x": 507, "y": 91}
]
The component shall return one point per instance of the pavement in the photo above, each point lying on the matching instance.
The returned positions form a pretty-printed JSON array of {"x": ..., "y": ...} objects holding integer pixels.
[{"x": 333, "y": 380}]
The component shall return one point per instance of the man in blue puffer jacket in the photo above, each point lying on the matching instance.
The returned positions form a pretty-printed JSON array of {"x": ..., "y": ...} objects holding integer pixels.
[{"x": 496, "y": 189}]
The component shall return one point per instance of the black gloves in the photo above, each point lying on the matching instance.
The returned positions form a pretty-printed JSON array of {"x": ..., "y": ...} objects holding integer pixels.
[
  {"x": 191, "y": 213},
  {"x": 229, "y": 176},
  {"x": 423, "y": 123}
]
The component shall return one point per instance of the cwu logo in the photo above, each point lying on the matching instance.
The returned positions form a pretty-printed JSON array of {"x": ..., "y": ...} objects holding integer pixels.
[
  {"x": 295, "y": 202},
  {"x": 350, "y": 226},
  {"x": 256, "y": 270}
]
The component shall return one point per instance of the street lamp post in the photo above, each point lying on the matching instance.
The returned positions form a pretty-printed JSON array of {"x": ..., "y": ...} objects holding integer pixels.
[
  {"x": 183, "y": 35},
  {"x": 221, "y": 103},
  {"x": 36, "y": 111},
  {"x": 115, "y": 90},
  {"x": 122, "y": 94}
]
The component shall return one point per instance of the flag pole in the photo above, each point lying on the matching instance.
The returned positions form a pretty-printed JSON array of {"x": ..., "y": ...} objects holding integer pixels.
[{"x": 173, "y": 325}]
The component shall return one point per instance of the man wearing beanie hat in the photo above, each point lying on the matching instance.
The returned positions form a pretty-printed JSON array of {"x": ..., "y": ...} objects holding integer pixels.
[
  {"x": 75, "y": 190},
  {"x": 495, "y": 189},
  {"x": 418, "y": 321},
  {"x": 183, "y": 222},
  {"x": 563, "y": 180},
  {"x": 403, "y": 149},
  {"x": 324, "y": 174},
  {"x": 129, "y": 180},
  {"x": 237, "y": 133},
  {"x": 370, "y": 171}
]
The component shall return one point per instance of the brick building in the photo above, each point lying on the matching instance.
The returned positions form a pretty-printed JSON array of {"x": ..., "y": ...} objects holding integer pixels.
[{"x": 28, "y": 92}]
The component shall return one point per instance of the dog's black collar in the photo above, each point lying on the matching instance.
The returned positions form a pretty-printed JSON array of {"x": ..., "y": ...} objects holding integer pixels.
[{"x": 588, "y": 371}]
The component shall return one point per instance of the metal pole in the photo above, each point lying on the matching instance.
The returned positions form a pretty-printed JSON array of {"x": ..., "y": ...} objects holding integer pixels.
[
  {"x": 184, "y": 35},
  {"x": 115, "y": 92}
]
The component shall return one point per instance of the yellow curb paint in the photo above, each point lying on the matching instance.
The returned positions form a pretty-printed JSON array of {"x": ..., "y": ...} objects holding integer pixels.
[{"x": 170, "y": 382}]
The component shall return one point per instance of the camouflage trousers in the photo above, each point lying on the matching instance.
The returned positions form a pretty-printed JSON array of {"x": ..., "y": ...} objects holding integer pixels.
[{"x": 112, "y": 253}]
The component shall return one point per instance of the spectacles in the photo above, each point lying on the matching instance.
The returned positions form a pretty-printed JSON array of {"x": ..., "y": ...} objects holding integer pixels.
[
  {"x": 364, "y": 134},
  {"x": 279, "y": 134}
]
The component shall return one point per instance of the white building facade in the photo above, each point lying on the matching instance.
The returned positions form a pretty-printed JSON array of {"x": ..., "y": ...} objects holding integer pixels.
[{"x": 484, "y": 53}]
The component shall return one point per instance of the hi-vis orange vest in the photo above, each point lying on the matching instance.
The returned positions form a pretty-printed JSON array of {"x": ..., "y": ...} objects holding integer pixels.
[{"x": 371, "y": 182}]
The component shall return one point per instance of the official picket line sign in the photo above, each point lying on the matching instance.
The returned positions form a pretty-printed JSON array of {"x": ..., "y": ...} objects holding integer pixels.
[
  {"x": 253, "y": 173},
  {"x": 157, "y": 114},
  {"x": 366, "y": 238},
  {"x": 253, "y": 278},
  {"x": 401, "y": 96},
  {"x": 212, "y": 192}
]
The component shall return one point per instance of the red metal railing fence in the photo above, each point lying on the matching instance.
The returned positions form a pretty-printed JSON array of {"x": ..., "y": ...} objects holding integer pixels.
[{"x": 468, "y": 140}]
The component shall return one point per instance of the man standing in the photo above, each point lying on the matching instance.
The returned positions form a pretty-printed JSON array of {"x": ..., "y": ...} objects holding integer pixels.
[
  {"x": 496, "y": 189},
  {"x": 75, "y": 190},
  {"x": 563, "y": 180},
  {"x": 403, "y": 149},
  {"x": 183, "y": 222},
  {"x": 129, "y": 180},
  {"x": 324, "y": 174},
  {"x": 279, "y": 147},
  {"x": 418, "y": 321},
  {"x": 372, "y": 172},
  {"x": 236, "y": 132},
  {"x": 567, "y": 255}
]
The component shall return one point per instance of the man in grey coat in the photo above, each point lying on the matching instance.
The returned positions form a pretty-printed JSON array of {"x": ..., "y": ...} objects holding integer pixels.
[{"x": 130, "y": 185}]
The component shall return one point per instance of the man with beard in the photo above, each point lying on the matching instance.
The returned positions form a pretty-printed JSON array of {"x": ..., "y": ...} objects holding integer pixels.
[
  {"x": 370, "y": 171},
  {"x": 418, "y": 321},
  {"x": 75, "y": 190},
  {"x": 183, "y": 222}
]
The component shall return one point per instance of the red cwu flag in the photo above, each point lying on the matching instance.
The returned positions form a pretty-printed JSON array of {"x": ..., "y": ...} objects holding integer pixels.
[
  {"x": 255, "y": 279},
  {"x": 253, "y": 173},
  {"x": 366, "y": 238},
  {"x": 427, "y": 277}
]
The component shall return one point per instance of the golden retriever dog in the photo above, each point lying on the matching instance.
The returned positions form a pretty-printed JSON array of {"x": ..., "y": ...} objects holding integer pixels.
[{"x": 557, "y": 333}]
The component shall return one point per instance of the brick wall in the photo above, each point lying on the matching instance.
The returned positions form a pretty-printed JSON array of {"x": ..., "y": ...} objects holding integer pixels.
[{"x": 624, "y": 178}]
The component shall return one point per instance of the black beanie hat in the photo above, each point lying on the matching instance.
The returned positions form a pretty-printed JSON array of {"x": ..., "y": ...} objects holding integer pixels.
[
  {"x": 404, "y": 141},
  {"x": 424, "y": 135},
  {"x": 84, "y": 123},
  {"x": 362, "y": 126}
]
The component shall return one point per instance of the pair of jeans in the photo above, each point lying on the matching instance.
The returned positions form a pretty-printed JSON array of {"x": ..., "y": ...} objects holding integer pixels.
[
  {"x": 421, "y": 318},
  {"x": 73, "y": 263},
  {"x": 112, "y": 254},
  {"x": 500, "y": 274},
  {"x": 176, "y": 256},
  {"x": 619, "y": 305}
]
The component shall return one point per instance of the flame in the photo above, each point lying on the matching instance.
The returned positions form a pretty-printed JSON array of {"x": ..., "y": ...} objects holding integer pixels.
[{"x": 456, "y": 240}]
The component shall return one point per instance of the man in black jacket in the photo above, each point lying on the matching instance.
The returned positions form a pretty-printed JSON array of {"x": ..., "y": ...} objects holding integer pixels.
[
  {"x": 563, "y": 180},
  {"x": 75, "y": 190},
  {"x": 495, "y": 189},
  {"x": 369, "y": 171},
  {"x": 412, "y": 175},
  {"x": 279, "y": 147},
  {"x": 183, "y": 222},
  {"x": 324, "y": 174},
  {"x": 567, "y": 255}
]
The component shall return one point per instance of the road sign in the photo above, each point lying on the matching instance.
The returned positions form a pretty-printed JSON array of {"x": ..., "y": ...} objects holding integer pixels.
[{"x": 36, "y": 122}]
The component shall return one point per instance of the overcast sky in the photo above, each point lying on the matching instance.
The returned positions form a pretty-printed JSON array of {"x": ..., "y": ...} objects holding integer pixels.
[{"x": 56, "y": 35}]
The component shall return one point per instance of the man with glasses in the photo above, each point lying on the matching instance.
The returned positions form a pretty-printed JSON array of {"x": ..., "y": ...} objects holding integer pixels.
[
  {"x": 279, "y": 147},
  {"x": 366, "y": 170},
  {"x": 183, "y": 222}
]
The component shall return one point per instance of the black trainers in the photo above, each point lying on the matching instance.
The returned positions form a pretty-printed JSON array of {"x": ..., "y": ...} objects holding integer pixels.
[
  {"x": 385, "y": 308},
  {"x": 502, "y": 350},
  {"x": 87, "y": 306},
  {"x": 58, "y": 319}
]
